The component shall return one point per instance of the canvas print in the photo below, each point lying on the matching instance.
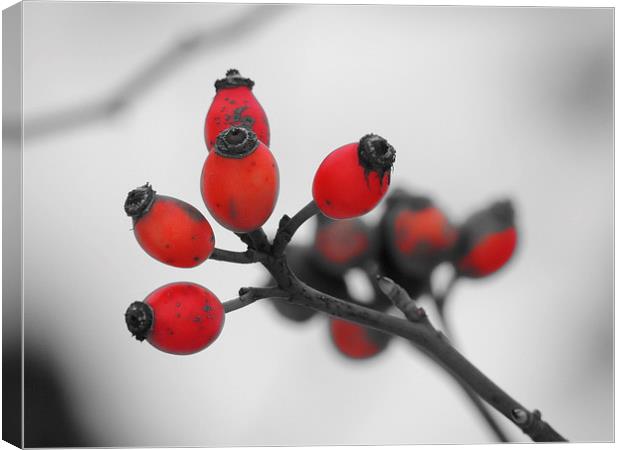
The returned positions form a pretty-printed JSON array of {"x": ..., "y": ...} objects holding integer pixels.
[{"x": 299, "y": 225}]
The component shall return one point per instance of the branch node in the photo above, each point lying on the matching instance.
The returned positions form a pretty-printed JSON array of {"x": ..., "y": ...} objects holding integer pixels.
[
  {"x": 519, "y": 416},
  {"x": 283, "y": 221},
  {"x": 401, "y": 299}
]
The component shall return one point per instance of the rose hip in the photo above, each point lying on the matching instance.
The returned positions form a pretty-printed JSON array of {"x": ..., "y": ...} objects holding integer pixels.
[
  {"x": 240, "y": 181},
  {"x": 353, "y": 178},
  {"x": 356, "y": 341},
  {"x": 168, "y": 229},
  {"x": 180, "y": 318},
  {"x": 235, "y": 105},
  {"x": 489, "y": 238}
]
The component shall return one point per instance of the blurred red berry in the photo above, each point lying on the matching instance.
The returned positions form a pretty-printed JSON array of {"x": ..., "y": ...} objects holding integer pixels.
[
  {"x": 180, "y": 318},
  {"x": 340, "y": 245},
  {"x": 234, "y": 104},
  {"x": 240, "y": 181},
  {"x": 352, "y": 179},
  {"x": 421, "y": 236},
  {"x": 168, "y": 229},
  {"x": 356, "y": 341},
  {"x": 489, "y": 238}
]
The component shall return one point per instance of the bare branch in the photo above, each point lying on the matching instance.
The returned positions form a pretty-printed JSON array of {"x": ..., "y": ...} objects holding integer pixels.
[
  {"x": 401, "y": 299},
  {"x": 289, "y": 225},
  {"x": 248, "y": 296},
  {"x": 421, "y": 333},
  {"x": 247, "y": 257}
]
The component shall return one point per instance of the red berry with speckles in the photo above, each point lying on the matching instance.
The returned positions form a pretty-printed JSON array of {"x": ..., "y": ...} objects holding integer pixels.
[
  {"x": 421, "y": 237},
  {"x": 488, "y": 241},
  {"x": 180, "y": 318},
  {"x": 235, "y": 105},
  {"x": 352, "y": 179},
  {"x": 168, "y": 229},
  {"x": 240, "y": 181},
  {"x": 340, "y": 245},
  {"x": 356, "y": 341}
]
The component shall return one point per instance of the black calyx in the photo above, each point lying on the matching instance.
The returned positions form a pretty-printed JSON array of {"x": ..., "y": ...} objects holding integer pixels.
[
  {"x": 236, "y": 142},
  {"x": 504, "y": 212},
  {"x": 139, "y": 201},
  {"x": 233, "y": 79},
  {"x": 139, "y": 320},
  {"x": 376, "y": 155}
]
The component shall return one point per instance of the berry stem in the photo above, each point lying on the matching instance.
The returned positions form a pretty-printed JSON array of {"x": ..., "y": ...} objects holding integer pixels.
[
  {"x": 401, "y": 299},
  {"x": 248, "y": 296},
  {"x": 247, "y": 257},
  {"x": 380, "y": 298},
  {"x": 440, "y": 299},
  {"x": 260, "y": 239},
  {"x": 419, "y": 331},
  {"x": 440, "y": 302},
  {"x": 289, "y": 225}
]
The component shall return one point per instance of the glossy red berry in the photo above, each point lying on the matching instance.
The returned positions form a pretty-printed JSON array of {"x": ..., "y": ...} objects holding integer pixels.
[
  {"x": 353, "y": 178},
  {"x": 356, "y": 341},
  {"x": 168, "y": 229},
  {"x": 340, "y": 245},
  {"x": 421, "y": 236},
  {"x": 488, "y": 241},
  {"x": 180, "y": 318},
  {"x": 235, "y": 105},
  {"x": 240, "y": 181}
]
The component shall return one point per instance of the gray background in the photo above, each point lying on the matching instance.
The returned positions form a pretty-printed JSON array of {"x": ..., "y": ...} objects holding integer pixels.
[{"x": 479, "y": 103}]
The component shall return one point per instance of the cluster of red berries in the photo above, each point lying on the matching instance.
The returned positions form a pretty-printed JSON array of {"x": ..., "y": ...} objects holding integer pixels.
[
  {"x": 411, "y": 239},
  {"x": 239, "y": 185}
]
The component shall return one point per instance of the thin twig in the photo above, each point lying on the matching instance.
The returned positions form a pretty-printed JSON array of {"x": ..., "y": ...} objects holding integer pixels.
[
  {"x": 247, "y": 257},
  {"x": 440, "y": 303},
  {"x": 260, "y": 239},
  {"x": 371, "y": 271},
  {"x": 440, "y": 299},
  {"x": 248, "y": 296},
  {"x": 289, "y": 225},
  {"x": 421, "y": 333},
  {"x": 401, "y": 299}
]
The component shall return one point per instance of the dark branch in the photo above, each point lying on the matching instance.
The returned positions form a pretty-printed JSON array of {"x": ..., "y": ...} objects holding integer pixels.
[
  {"x": 289, "y": 225},
  {"x": 421, "y": 333},
  {"x": 248, "y": 296},
  {"x": 440, "y": 302},
  {"x": 440, "y": 299},
  {"x": 247, "y": 257},
  {"x": 401, "y": 299},
  {"x": 371, "y": 270},
  {"x": 260, "y": 239}
]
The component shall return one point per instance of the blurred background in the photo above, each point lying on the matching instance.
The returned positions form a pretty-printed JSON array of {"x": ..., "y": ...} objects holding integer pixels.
[{"x": 481, "y": 103}]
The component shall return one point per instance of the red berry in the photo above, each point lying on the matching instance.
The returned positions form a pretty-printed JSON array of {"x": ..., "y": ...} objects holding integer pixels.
[
  {"x": 489, "y": 239},
  {"x": 352, "y": 179},
  {"x": 340, "y": 245},
  {"x": 235, "y": 105},
  {"x": 240, "y": 181},
  {"x": 356, "y": 341},
  {"x": 179, "y": 318},
  {"x": 168, "y": 229},
  {"x": 421, "y": 237}
]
